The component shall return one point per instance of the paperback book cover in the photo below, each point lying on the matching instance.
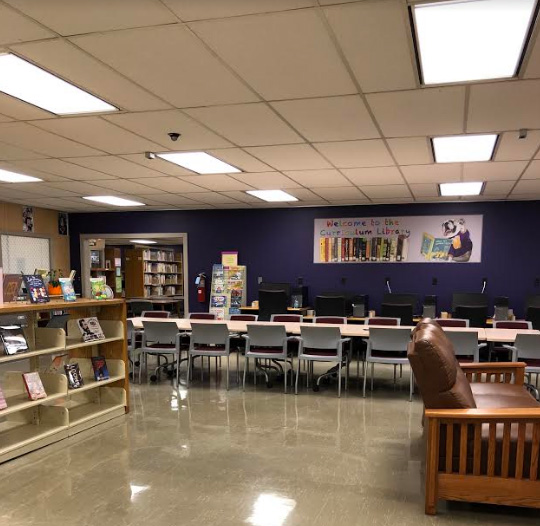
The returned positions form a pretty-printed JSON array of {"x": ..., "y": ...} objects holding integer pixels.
[
  {"x": 67, "y": 289},
  {"x": 12, "y": 286},
  {"x": 35, "y": 288},
  {"x": 74, "y": 376},
  {"x": 3, "y": 403},
  {"x": 34, "y": 386},
  {"x": 90, "y": 329},
  {"x": 97, "y": 286},
  {"x": 100, "y": 368},
  {"x": 13, "y": 339}
]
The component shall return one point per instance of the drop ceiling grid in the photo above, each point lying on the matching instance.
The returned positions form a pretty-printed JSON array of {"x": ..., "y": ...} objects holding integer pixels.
[{"x": 321, "y": 9}]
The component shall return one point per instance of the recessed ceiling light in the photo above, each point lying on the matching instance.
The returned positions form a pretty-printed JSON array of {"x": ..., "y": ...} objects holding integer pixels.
[
  {"x": 471, "y": 40},
  {"x": 464, "y": 148},
  {"x": 456, "y": 189},
  {"x": 143, "y": 241},
  {"x": 12, "y": 177},
  {"x": 199, "y": 162},
  {"x": 34, "y": 85},
  {"x": 272, "y": 196},
  {"x": 113, "y": 200}
]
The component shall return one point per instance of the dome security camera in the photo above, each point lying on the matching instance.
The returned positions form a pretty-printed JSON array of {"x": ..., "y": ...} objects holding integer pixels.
[{"x": 174, "y": 136}]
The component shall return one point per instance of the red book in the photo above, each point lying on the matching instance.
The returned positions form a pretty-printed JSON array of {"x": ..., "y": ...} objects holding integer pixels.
[{"x": 34, "y": 386}]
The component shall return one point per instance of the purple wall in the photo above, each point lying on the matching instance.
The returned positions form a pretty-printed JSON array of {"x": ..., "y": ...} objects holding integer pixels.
[{"x": 277, "y": 244}]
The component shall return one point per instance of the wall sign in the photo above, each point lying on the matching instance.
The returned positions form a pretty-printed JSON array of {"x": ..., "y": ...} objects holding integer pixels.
[{"x": 408, "y": 239}]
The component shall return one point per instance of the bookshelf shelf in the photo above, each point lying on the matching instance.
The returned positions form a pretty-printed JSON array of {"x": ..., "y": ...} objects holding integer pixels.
[
  {"x": 112, "y": 329},
  {"x": 116, "y": 369}
]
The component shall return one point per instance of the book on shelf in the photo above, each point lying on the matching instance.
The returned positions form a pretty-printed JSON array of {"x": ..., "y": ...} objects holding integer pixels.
[
  {"x": 11, "y": 286},
  {"x": 74, "y": 376},
  {"x": 67, "y": 289},
  {"x": 99, "y": 364},
  {"x": 34, "y": 386},
  {"x": 3, "y": 403},
  {"x": 35, "y": 288},
  {"x": 90, "y": 329},
  {"x": 98, "y": 287},
  {"x": 13, "y": 339}
]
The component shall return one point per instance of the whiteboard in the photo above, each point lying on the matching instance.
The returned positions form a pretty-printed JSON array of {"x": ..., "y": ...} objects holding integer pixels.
[{"x": 25, "y": 254}]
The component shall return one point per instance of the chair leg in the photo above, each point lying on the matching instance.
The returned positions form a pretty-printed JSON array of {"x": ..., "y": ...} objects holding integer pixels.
[
  {"x": 400, "y": 370},
  {"x": 395, "y": 374},
  {"x": 189, "y": 368},
  {"x": 246, "y": 364},
  {"x": 339, "y": 381},
  {"x": 227, "y": 371},
  {"x": 365, "y": 381},
  {"x": 297, "y": 375},
  {"x": 372, "y": 373},
  {"x": 178, "y": 369},
  {"x": 347, "y": 363},
  {"x": 255, "y": 372},
  {"x": 285, "y": 378}
]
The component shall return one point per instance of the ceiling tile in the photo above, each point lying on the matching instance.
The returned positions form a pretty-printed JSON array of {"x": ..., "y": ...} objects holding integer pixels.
[
  {"x": 411, "y": 150},
  {"x": 19, "y": 110},
  {"x": 27, "y": 136},
  {"x": 329, "y": 118},
  {"x": 374, "y": 176},
  {"x": 131, "y": 186},
  {"x": 173, "y": 199},
  {"x": 490, "y": 171},
  {"x": 155, "y": 125},
  {"x": 157, "y": 164},
  {"x": 388, "y": 190},
  {"x": 15, "y": 27},
  {"x": 290, "y": 55},
  {"x": 344, "y": 193},
  {"x": 267, "y": 180},
  {"x": 305, "y": 195},
  {"x": 217, "y": 183},
  {"x": 356, "y": 154},
  {"x": 290, "y": 157},
  {"x": 533, "y": 171},
  {"x": 504, "y": 106},
  {"x": 189, "y": 10},
  {"x": 66, "y": 60},
  {"x": 532, "y": 69},
  {"x": 375, "y": 39},
  {"x": 8, "y": 192},
  {"x": 112, "y": 165},
  {"x": 242, "y": 196},
  {"x": 14, "y": 166},
  {"x": 98, "y": 133},
  {"x": 170, "y": 184},
  {"x": 86, "y": 16},
  {"x": 498, "y": 188},
  {"x": 11, "y": 153},
  {"x": 391, "y": 200},
  {"x": 433, "y": 111},
  {"x": 82, "y": 188},
  {"x": 432, "y": 173},
  {"x": 64, "y": 169},
  {"x": 424, "y": 190},
  {"x": 212, "y": 198},
  {"x": 512, "y": 148},
  {"x": 527, "y": 186},
  {"x": 44, "y": 189},
  {"x": 240, "y": 159},
  {"x": 321, "y": 178},
  {"x": 246, "y": 124},
  {"x": 171, "y": 62}
]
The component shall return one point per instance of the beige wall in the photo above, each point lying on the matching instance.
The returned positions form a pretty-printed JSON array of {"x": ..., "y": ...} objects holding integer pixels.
[{"x": 45, "y": 224}]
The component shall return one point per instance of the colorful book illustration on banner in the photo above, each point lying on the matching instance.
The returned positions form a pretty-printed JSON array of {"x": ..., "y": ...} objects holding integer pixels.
[
  {"x": 35, "y": 288},
  {"x": 90, "y": 329},
  {"x": 67, "y": 289},
  {"x": 13, "y": 339},
  {"x": 99, "y": 364},
  {"x": 435, "y": 248},
  {"x": 34, "y": 386},
  {"x": 74, "y": 376}
]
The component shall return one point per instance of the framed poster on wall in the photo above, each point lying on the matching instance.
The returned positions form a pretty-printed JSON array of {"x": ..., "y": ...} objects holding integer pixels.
[{"x": 408, "y": 239}]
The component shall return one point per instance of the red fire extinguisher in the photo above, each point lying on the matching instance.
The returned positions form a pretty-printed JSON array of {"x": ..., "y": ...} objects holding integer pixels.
[{"x": 200, "y": 281}]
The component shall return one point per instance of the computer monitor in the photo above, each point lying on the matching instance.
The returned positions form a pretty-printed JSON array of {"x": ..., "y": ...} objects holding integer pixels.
[
  {"x": 272, "y": 302},
  {"x": 330, "y": 306},
  {"x": 403, "y": 311},
  {"x": 476, "y": 314},
  {"x": 469, "y": 299},
  {"x": 402, "y": 299},
  {"x": 532, "y": 301},
  {"x": 267, "y": 285},
  {"x": 355, "y": 304}
]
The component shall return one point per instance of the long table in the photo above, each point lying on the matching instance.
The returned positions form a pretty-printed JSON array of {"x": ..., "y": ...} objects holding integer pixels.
[{"x": 347, "y": 330}]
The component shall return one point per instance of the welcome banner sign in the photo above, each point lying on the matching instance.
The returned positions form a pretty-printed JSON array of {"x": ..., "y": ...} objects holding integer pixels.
[{"x": 409, "y": 239}]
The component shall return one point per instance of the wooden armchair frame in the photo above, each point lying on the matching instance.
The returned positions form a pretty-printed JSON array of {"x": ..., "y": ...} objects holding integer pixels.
[{"x": 469, "y": 482}]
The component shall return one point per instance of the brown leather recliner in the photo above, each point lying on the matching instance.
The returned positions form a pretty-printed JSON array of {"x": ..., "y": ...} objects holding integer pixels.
[{"x": 483, "y": 425}]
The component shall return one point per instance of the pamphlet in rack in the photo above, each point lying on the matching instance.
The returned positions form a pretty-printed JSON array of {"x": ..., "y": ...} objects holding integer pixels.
[{"x": 228, "y": 292}]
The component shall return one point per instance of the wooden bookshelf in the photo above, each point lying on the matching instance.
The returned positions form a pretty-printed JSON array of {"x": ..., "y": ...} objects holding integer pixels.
[{"x": 26, "y": 425}]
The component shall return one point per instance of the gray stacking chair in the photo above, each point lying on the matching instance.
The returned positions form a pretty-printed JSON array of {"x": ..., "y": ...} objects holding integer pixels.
[
  {"x": 161, "y": 339},
  {"x": 465, "y": 345},
  {"x": 526, "y": 349}
]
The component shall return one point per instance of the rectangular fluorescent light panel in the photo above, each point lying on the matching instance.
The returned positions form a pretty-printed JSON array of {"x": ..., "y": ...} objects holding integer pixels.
[
  {"x": 34, "y": 85},
  {"x": 464, "y": 148},
  {"x": 12, "y": 177},
  {"x": 113, "y": 200},
  {"x": 471, "y": 40},
  {"x": 272, "y": 196},
  {"x": 199, "y": 162},
  {"x": 143, "y": 241},
  {"x": 457, "y": 189}
]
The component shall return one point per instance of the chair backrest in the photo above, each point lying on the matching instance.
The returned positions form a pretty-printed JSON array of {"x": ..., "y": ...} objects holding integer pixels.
[
  {"x": 155, "y": 314},
  {"x": 130, "y": 329},
  {"x": 266, "y": 335},
  {"x": 272, "y": 302},
  {"x": 243, "y": 317},
  {"x": 512, "y": 324},
  {"x": 476, "y": 314},
  {"x": 452, "y": 322},
  {"x": 441, "y": 382},
  {"x": 465, "y": 343},
  {"x": 287, "y": 318},
  {"x": 330, "y": 305},
  {"x": 339, "y": 320},
  {"x": 396, "y": 310},
  {"x": 378, "y": 320},
  {"x": 385, "y": 339},
  {"x": 320, "y": 337},
  {"x": 533, "y": 315},
  {"x": 138, "y": 307},
  {"x": 160, "y": 332},
  {"x": 528, "y": 346},
  {"x": 205, "y": 333},
  {"x": 202, "y": 316}
]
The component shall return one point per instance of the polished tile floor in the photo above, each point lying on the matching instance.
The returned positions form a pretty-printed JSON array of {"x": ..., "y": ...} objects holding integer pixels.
[{"x": 205, "y": 456}]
